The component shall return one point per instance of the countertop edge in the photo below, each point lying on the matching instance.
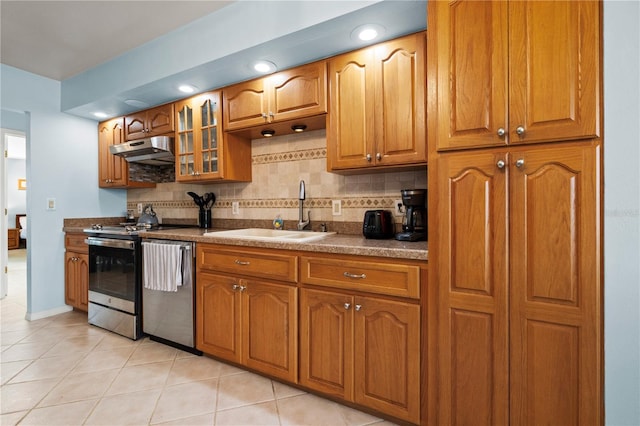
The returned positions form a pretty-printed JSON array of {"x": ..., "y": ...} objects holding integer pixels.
[{"x": 334, "y": 244}]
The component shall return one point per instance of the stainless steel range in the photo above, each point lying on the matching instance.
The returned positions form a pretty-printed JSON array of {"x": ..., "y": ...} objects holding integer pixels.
[{"x": 115, "y": 271}]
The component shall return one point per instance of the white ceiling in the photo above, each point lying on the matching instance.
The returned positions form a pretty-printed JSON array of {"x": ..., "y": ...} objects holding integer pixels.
[
  {"x": 59, "y": 39},
  {"x": 109, "y": 53}
]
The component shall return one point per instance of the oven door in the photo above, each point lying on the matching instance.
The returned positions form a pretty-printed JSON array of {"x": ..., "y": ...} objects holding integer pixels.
[{"x": 114, "y": 273}]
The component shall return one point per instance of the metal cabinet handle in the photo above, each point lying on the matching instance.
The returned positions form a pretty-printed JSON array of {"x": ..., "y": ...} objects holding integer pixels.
[
  {"x": 501, "y": 132},
  {"x": 501, "y": 164},
  {"x": 235, "y": 287},
  {"x": 369, "y": 158},
  {"x": 243, "y": 288},
  {"x": 358, "y": 307},
  {"x": 520, "y": 130},
  {"x": 241, "y": 262},
  {"x": 264, "y": 115},
  {"x": 358, "y": 276},
  {"x": 378, "y": 156},
  {"x": 520, "y": 163},
  {"x": 347, "y": 306}
]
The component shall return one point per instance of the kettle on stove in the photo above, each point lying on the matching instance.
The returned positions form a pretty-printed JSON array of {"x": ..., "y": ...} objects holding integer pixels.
[{"x": 148, "y": 217}]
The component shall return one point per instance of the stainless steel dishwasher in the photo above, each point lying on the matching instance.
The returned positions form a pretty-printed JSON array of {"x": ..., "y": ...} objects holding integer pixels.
[{"x": 168, "y": 316}]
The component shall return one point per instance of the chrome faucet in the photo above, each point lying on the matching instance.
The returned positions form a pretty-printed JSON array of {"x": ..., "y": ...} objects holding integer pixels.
[{"x": 301, "y": 222}]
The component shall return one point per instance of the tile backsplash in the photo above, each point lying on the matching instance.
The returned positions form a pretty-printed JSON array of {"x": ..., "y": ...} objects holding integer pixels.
[{"x": 278, "y": 165}]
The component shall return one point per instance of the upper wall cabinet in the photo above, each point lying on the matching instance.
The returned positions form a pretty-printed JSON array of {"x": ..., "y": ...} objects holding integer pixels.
[
  {"x": 287, "y": 95},
  {"x": 151, "y": 122},
  {"x": 514, "y": 73},
  {"x": 113, "y": 171},
  {"x": 203, "y": 151},
  {"x": 377, "y": 109}
]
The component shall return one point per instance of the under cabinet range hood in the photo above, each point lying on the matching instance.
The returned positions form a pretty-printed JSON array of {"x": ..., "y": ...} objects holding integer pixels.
[{"x": 155, "y": 151}]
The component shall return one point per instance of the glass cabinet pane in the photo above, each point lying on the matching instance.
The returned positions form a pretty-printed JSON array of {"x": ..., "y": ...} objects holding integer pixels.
[
  {"x": 185, "y": 119},
  {"x": 205, "y": 139}
]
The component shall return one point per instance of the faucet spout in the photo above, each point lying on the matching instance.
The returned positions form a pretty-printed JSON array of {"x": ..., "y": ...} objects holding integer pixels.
[
  {"x": 302, "y": 191},
  {"x": 301, "y": 222}
]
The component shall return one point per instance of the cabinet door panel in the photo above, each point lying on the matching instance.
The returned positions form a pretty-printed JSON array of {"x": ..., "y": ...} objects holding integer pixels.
[
  {"x": 326, "y": 342},
  {"x": 135, "y": 126},
  {"x": 400, "y": 101},
  {"x": 471, "y": 73},
  {"x": 113, "y": 171},
  {"x": 82, "y": 281},
  {"x": 555, "y": 293},
  {"x": 160, "y": 120},
  {"x": 299, "y": 92},
  {"x": 387, "y": 356},
  {"x": 269, "y": 321},
  {"x": 352, "y": 131},
  {"x": 554, "y": 70},
  {"x": 218, "y": 316},
  {"x": 245, "y": 105},
  {"x": 473, "y": 271}
]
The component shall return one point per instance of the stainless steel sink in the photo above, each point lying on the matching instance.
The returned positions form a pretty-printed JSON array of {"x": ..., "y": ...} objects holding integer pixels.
[{"x": 270, "y": 235}]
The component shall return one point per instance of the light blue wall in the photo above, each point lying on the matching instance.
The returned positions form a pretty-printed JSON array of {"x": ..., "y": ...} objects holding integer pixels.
[
  {"x": 622, "y": 211},
  {"x": 62, "y": 163}
]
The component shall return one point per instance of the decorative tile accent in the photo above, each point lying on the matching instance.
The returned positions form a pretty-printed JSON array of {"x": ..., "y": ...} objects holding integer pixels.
[{"x": 278, "y": 157}]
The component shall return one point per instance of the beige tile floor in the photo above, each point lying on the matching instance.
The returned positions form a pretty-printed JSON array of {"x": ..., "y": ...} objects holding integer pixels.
[{"x": 61, "y": 371}]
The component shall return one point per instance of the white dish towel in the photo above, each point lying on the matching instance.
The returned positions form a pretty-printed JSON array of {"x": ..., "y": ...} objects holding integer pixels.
[{"x": 162, "y": 266}]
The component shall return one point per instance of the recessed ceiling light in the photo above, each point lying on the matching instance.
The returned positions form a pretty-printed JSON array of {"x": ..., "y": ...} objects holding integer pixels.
[
  {"x": 368, "y": 32},
  {"x": 136, "y": 103},
  {"x": 187, "y": 88},
  {"x": 264, "y": 67},
  {"x": 298, "y": 128},
  {"x": 100, "y": 114},
  {"x": 267, "y": 133}
]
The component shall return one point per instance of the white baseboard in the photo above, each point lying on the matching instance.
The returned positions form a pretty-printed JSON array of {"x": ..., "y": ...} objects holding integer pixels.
[{"x": 32, "y": 316}]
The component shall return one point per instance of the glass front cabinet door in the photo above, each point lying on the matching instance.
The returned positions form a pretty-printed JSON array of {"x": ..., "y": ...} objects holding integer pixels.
[{"x": 198, "y": 138}]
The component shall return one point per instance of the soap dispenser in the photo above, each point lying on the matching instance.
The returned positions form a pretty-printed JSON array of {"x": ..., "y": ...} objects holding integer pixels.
[{"x": 278, "y": 223}]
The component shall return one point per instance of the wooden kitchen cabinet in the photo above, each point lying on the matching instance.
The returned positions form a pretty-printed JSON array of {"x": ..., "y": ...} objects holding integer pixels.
[
  {"x": 377, "y": 108},
  {"x": 516, "y": 72},
  {"x": 284, "y": 96},
  {"x": 150, "y": 122},
  {"x": 519, "y": 323},
  {"x": 203, "y": 151},
  {"x": 362, "y": 347},
  {"x": 76, "y": 271},
  {"x": 243, "y": 318},
  {"x": 113, "y": 171}
]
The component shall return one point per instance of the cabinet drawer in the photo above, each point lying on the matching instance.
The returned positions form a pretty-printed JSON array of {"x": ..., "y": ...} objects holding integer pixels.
[
  {"x": 75, "y": 242},
  {"x": 377, "y": 277},
  {"x": 246, "y": 262}
]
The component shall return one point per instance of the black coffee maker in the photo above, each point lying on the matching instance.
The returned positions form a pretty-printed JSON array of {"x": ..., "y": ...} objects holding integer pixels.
[{"x": 414, "y": 222}]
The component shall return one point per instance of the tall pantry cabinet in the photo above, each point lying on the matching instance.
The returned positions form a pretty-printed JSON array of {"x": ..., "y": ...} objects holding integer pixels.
[{"x": 515, "y": 318}]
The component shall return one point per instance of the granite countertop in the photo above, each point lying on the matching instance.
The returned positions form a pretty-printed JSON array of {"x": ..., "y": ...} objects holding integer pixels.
[{"x": 335, "y": 243}]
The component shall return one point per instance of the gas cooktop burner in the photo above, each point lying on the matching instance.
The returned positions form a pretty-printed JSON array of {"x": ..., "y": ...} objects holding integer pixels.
[{"x": 127, "y": 228}]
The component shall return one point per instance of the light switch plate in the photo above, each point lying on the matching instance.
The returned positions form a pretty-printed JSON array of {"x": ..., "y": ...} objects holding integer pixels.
[{"x": 51, "y": 203}]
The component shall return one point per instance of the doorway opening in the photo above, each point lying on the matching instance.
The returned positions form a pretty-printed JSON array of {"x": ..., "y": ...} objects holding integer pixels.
[{"x": 14, "y": 230}]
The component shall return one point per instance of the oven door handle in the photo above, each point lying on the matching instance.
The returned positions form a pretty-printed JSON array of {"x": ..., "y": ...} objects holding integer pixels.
[{"x": 111, "y": 242}]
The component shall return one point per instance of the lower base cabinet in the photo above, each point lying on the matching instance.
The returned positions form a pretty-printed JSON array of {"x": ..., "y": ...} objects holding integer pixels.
[
  {"x": 76, "y": 272},
  {"x": 362, "y": 349},
  {"x": 249, "y": 322},
  {"x": 347, "y": 327}
]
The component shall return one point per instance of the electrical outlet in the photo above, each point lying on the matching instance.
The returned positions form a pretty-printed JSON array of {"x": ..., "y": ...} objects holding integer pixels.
[
  {"x": 336, "y": 207},
  {"x": 139, "y": 207},
  {"x": 397, "y": 204},
  {"x": 235, "y": 207}
]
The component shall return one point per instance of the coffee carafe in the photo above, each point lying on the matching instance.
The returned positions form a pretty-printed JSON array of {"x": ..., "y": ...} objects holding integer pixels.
[{"x": 414, "y": 222}]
